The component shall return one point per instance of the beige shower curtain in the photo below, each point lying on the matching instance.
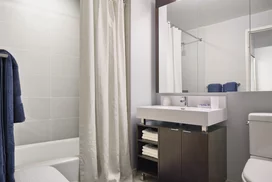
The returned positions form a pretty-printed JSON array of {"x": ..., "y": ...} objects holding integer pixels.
[{"x": 104, "y": 144}]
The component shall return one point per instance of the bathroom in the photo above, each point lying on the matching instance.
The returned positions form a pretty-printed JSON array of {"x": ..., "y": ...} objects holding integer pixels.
[{"x": 72, "y": 93}]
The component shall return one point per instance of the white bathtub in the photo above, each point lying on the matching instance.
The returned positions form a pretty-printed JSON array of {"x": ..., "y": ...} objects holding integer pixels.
[{"x": 61, "y": 154}]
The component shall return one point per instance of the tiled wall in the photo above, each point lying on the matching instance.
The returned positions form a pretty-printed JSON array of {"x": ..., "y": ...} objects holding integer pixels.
[{"x": 43, "y": 36}]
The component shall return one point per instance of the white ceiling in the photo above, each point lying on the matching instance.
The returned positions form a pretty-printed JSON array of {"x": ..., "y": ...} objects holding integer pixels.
[{"x": 190, "y": 14}]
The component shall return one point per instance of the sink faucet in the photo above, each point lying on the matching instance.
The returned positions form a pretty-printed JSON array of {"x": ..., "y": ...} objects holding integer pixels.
[{"x": 184, "y": 100}]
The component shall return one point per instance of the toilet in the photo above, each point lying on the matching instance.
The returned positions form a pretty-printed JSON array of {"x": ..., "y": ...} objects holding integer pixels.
[{"x": 259, "y": 167}]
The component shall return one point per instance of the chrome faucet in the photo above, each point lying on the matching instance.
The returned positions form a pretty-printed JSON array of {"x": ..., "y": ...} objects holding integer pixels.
[{"x": 184, "y": 100}]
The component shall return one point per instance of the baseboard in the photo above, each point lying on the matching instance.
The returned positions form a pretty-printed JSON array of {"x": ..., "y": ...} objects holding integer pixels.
[{"x": 230, "y": 180}]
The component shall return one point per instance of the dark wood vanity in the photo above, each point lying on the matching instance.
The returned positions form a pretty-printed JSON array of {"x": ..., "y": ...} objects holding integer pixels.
[{"x": 185, "y": 153}]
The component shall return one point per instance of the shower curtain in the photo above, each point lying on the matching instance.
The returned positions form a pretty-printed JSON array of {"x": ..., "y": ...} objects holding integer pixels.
[
  {"x": 104, "y": 144},
  {"x": 174, "y": 61}
]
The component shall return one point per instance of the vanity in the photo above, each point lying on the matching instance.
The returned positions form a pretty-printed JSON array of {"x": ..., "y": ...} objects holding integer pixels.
[{"x": 191, "y": 144}]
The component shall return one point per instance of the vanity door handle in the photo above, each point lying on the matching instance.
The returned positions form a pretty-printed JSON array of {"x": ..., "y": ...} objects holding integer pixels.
[
  {"x": 173, "y": 129},
  {"x": 184, "y": 131}
]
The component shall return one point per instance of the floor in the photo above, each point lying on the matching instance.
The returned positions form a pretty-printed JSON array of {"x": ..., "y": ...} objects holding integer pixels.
[{"x": 148, "y": 179}]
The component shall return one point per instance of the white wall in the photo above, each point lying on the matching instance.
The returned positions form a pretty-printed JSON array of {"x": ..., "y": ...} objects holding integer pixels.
[
  {"x": 142, "y": 59},
  {"x": 43, "y": 36},
  {"x": 264, "y": 64},
  {"x": 239, "y": 106}
]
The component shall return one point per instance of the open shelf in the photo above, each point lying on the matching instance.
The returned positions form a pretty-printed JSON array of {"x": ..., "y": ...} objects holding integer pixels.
[
  {"x": 148, "y": 158},
  {"x": 145, "y": 164},
  {"x": 148, "y": 165},
  {"x": 148, "y": 141},
  {"x": 152, "y": 174}
]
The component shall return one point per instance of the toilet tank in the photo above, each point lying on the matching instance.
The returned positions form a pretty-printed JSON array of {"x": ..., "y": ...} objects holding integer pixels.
[{"x": 260, "y": 134}]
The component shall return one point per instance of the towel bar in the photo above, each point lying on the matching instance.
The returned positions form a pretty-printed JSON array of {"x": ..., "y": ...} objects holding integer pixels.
[{"x": 3, "y": 56}]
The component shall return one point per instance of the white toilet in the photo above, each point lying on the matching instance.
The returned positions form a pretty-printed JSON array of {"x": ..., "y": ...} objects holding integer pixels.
[{"x": 259, "y": 167}]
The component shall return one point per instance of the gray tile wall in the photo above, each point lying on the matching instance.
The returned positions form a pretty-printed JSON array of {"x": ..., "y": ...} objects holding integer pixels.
[{"x": 44, "y": 39}]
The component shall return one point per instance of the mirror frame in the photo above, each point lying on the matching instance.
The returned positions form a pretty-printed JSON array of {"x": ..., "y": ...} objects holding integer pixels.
[{"x": 159, "y": 3}]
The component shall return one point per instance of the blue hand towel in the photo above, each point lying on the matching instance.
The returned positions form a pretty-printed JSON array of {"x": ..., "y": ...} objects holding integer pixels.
[
  {"x": 230, "y": 87},
  {"x": 216, "y": 87}
]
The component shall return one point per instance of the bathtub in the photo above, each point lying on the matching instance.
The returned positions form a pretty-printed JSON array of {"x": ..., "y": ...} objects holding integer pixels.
[{"x": 61, "y": 154}]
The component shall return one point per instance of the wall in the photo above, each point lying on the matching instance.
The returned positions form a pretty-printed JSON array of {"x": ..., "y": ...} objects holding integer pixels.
[
  {"x": 264, "y": 64},
  {"x": 142, "y": 60},
  {"x": 239, "y": 105},
  {"x": 43, "y": 36}
]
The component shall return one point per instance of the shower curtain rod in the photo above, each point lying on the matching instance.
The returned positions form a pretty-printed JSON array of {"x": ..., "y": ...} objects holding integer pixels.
[
  {"x": 184, "y": 43},
  {"x": 3, "y": 56},
  {"x": 200, "y": 39}
]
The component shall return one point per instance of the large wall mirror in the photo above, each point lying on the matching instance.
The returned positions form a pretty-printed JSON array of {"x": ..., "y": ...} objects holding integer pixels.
[{"x": 214, "y": 46}]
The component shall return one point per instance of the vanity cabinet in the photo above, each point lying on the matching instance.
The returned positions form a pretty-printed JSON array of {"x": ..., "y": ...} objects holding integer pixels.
[
  {"x": 194, "y": 156},
  {"x": 187, "y": 154},
  {"x": 170, "y": 154}
]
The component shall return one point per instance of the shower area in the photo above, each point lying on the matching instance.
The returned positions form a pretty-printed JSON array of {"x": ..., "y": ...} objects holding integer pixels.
[{"x": 44, "y": 38}]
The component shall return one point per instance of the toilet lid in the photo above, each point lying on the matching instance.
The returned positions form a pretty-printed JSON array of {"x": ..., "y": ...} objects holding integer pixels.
[
  {"x": 257, "y": 170},
  {"x": 39, "y": 174}
]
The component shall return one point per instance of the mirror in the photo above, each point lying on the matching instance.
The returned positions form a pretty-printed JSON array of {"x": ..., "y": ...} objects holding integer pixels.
[
  {"x": 202, "y": 46},
  {"x": 259, "y": 63}
]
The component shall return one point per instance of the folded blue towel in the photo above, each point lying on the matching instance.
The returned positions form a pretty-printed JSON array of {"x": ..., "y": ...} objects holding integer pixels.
[
  {"x": 230, "y": 87},
  {"x": 216, "y": 87}
]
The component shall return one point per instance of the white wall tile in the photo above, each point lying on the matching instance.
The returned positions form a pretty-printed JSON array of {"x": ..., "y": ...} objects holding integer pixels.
[
  {"x": 64, "y": 86},
  {"x": 37, "y": 108},
  {"x": 71, "y": 128},
  {"x": 32, "y": 132},
  {"x": 62, "y": 65},
  {"x": 64, "y": 107},
  {"x": 43, "y": 36},
  {"x": 5, "y": 41},
  {"x": 35, "y": 86},
  {"x": 5, "y": 11}
]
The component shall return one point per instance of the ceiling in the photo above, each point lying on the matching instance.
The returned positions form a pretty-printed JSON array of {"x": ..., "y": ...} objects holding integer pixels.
[{"x": 190, "y": 14}]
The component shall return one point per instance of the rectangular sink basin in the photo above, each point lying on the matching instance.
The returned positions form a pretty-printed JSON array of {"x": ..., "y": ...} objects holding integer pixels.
[{"x": 187, "y": 115}]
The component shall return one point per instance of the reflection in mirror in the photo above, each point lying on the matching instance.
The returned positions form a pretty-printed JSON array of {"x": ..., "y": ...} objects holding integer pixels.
[
  {"x": 260, "y": 58},
  {"x": 202, "y": 46}
]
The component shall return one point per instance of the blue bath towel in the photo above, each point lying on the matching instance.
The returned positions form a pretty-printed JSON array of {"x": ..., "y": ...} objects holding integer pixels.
[
  {"x": 11, "y": 111},
  {"x": 230, "y": 87},
  {"x": 216, "y": 87}
]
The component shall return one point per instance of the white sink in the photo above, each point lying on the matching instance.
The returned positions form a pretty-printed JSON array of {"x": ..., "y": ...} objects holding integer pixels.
[{"x": 187, "y": 115}]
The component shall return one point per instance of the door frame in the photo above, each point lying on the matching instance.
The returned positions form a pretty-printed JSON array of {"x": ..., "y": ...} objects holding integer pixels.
[{"x": 248, "y": 48}]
